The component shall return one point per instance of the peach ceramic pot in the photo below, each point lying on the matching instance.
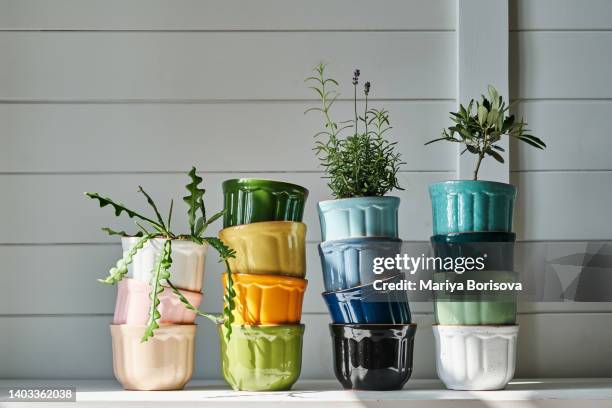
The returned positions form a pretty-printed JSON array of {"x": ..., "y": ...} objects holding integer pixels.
[
  {"x": 188, "y": 260},
  {"x": 133, "y": 304},
  {"x": 164, "y": 362},
  {"x": 268, "y": 248},
  {"x": 267, "y": 299}
]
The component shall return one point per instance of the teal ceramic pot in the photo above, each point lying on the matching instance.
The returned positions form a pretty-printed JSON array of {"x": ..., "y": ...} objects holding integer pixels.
[
  {"x": 261, "y": 358},
  {"x": 475, "y": 307},
  {"x": 358, "y": 217},
  {"x": 471, "y": 205},
  {"x": 253, "y": 200}
]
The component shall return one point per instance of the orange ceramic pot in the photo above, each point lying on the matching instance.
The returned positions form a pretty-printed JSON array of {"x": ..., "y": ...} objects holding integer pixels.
[
  {"x": 164, "y": 362},
  {"x": 268, "y": 248},
  {"x": 267, "y": 299}
]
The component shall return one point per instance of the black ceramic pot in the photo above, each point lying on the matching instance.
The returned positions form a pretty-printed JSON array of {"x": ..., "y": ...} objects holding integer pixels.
[{"x": 374, "y": 357}]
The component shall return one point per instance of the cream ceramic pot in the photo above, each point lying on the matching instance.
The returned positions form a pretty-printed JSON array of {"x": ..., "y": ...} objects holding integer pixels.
[
  {"x": 164, "y": 362},
  {"x": 134, "y": 302},
  {"x": 188, "y": 262},
  {"x": 475, "y": 357}
]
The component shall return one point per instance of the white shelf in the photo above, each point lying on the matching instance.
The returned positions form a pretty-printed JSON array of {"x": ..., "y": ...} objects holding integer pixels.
[{"x": 420, "y": 393}]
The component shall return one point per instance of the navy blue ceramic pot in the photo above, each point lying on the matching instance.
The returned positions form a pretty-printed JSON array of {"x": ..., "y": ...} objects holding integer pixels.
[
  {"x": 366, "y": 305},
  {"x": 497, "y": 248},
  {"x": 374, "y": 356},
  {"x": 347, "y": 263}
]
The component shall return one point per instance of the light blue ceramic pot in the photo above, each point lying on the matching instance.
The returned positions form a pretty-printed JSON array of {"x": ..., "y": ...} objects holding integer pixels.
[
  {"x": 347, "y": 263},
  {"x": 358, "y": 217},
  {"x": 471, "y": 205}
]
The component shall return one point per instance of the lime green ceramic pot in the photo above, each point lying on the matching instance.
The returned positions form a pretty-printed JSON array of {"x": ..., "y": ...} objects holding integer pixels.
[
  {"x": 261, "y": 358},
  {"x": 249, "y": 200},
  {"x": 476, "y": 306}
]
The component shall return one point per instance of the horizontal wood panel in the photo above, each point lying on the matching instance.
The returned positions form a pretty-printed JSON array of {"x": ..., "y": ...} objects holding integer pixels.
[
  {"x": 226, "y": 15},
  {"x": 214, "y": 137},
  {"x": 560, "y": 64},
  {"x": 560, "y": 14},
  {"x": 52, "y": 208},
  {"x": 79, "y": 347},
  {"x": 61, "y": 279},
  {"x": 563, "y": 206},
  {"x": 576, "y": 133},
  {"x": 178, "y": 65}
]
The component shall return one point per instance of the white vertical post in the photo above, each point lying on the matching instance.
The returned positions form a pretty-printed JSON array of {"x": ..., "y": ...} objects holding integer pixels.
[{"x": 482, "y": 59}]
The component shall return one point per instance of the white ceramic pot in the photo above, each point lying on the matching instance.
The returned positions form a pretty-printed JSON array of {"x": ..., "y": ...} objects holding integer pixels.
[
  {"x": 164, "y": 362},
  {"x": 188, "y": 262},
  {"x": 475, "y": 357}
]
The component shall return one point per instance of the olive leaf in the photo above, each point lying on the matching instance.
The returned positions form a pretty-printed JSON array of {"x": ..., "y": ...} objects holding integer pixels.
[
  {"x": 480, "y": 131},
  {"x": 160, "y": 274},
  {"x": 118, "y": 272}
]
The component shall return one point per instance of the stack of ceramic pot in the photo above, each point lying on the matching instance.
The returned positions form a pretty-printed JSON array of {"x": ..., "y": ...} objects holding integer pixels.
[
  {"x": 372, "y": 334},
  {"x": 164, "y": 361},
  {"x": 475, "y": 331},
  {"x": 262, "y": 223}
]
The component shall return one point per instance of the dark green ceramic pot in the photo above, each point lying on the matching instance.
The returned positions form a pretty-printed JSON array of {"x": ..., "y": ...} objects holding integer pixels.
[{"x": 254, "y": 200}]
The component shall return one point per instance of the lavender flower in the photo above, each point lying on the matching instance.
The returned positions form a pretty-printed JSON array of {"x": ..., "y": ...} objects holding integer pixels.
[
  {"x": 356, "y": 77},
  {"x": 366, "y": 88}
]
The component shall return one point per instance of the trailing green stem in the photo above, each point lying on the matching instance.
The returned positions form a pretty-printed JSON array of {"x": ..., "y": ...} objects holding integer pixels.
[
  {"x": 118, "y": 272},
  {"x": 161, "y": 273}
]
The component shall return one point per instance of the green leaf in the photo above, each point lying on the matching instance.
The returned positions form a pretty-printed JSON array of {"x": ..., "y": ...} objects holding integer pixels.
[
  {"x": 212, "y": 317},
  {"x": 215, "y": 217},
  {"x": 482, "y": 114},
  {"x": 194, "y": 200},
  {"x": 225, "y": 252},
  {"x": 119, "y": 271},
  {"x": 161, "y": 274},
  {"x": 152, "y": 204},
  {"x": 120, "y": 208},
  {"x": 112, "y": 232},
  {"x": 495, "y": 155}
]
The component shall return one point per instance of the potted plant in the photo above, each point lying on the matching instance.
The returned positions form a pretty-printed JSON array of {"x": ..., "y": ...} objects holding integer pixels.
[
  {"x": 170, "y": 268},
  {"x": 476, "y": 205},
  {"x": 360, "y": 167}
]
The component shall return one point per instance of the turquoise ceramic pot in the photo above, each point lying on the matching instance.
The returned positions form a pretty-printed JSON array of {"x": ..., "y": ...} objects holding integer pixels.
[
  {"x": 471, "y": 205},
  {"x": 358, "y": 217}
]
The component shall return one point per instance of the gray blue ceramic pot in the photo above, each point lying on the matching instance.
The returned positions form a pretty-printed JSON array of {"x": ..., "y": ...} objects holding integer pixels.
[
  {"x": 358, "y": 217},
  {"x": 496, "y": 248},
  {"x": 349, "y": 262},
  {"x": 471, "y": 205}
]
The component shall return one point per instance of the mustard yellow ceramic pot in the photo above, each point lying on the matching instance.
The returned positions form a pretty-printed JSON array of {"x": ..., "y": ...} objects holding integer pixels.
[
  {"x": 267, "y": 299},
  {"x": 268, "y": 248}
]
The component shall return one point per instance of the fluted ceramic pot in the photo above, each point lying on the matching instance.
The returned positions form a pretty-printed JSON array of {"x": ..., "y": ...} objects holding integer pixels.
[
  {"x": 188, "y": 262},
  {"x": 164, "y": 362},
  {"x": 249, "y": 200},
  {"x": 369, "y": 304},
  {"x": 267, "y": 299},
  {"x": 475, "y": 358},
  {"x": 261, "y": 358},
  {"x": 373, "y": 356},
  {"x": 471, "y": 205},
  {"x": 476, "y": 307},
  {"x": 496, "y": 248},
  {"x": 268, "y": 248},
  {"x": 347, "y": 263},
  {"x": 358, "y": 217},
  {"x": 133, "y": 304}
]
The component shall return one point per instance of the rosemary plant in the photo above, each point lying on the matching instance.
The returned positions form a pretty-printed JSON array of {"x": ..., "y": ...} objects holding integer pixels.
[
  {"x": 363, "y": 163},
  {"x": 157, "y": 227},
  {"x": 482, "y": 129}
]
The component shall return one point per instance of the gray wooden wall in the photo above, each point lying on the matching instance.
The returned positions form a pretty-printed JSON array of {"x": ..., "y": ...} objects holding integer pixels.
[{"x": 105, "y": 95}]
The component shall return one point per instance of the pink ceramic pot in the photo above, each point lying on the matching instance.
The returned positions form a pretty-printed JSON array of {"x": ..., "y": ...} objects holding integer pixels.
[
  {"x": 164, "y": 362},
  {"x": 133, "y": 304}
]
